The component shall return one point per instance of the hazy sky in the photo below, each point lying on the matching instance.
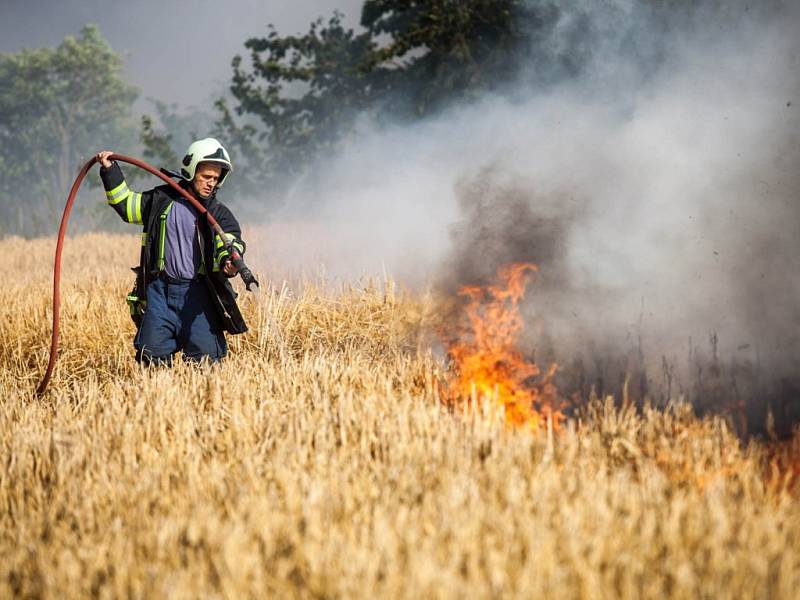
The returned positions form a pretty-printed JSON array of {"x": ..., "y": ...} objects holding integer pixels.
[{"x": 174, "y": 50}]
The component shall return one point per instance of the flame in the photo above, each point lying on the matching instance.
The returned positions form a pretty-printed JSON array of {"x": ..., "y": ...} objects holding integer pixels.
[{"x": 488, "y": 364}]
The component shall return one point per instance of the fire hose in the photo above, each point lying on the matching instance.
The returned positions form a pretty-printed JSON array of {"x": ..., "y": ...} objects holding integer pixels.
[{"x": 235, "y": 258}]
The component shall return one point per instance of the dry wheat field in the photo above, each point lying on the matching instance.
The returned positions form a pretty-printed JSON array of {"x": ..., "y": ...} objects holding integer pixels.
[{"x": 319, "y": 461}]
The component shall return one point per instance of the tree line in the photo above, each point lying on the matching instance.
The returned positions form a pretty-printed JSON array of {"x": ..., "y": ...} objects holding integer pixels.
[{"x": 291, "y": 99}]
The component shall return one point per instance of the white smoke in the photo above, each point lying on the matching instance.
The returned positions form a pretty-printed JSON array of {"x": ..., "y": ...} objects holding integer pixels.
[{"x": 670, "y": 170}]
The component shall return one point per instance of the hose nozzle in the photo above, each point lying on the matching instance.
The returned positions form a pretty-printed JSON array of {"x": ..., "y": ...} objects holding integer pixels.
[{"x": 243, "y": 270}]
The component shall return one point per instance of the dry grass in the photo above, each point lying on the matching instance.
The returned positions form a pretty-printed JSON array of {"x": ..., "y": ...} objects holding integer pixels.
[{"x": 317, "y": 461}]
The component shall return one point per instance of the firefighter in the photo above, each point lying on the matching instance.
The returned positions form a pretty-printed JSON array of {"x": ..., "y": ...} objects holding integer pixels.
[{"x": 182, "y": 300}]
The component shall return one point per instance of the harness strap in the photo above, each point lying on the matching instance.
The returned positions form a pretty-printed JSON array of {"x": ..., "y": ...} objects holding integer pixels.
[{"x": 162, "y": 237}]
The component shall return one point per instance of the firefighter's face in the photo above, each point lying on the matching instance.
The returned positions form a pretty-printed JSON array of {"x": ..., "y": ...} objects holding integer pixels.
[{"x": 206, "y": 177}]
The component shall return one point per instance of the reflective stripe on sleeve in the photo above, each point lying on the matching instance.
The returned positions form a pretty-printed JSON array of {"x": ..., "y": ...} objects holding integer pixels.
[
  {"x": 118, "y": 194},
  {"x": 137, "y": 208},
  {"x": 220, "y": 246}
]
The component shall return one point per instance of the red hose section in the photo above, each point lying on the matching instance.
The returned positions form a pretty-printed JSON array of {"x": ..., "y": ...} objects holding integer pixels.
[{"x": 62, "y": 230}]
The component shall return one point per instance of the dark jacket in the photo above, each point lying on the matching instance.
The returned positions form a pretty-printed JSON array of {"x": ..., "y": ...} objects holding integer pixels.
[{"x": 150, "y": 209}]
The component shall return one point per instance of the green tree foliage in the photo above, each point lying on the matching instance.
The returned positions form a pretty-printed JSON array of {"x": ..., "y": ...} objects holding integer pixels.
[
  {"x": 299, "y": 91},
  {"x": 440, "y": 50},
  {"x": 301, "y": 94},
  {"x": 57, "y": 107}
]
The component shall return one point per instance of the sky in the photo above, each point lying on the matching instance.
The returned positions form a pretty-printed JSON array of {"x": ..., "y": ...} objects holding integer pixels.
[{"x": 174, "y": 51}]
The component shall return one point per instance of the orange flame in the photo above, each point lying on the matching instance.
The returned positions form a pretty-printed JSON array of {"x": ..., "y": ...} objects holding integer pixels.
[{"x": 488, "y": 363}]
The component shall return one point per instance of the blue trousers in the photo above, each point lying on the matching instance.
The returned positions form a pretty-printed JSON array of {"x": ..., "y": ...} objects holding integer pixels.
[{"x": 179, "y": 316}]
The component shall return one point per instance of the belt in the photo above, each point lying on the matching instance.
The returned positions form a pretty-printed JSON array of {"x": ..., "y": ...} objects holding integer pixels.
[{"x": 177, "y": 280}]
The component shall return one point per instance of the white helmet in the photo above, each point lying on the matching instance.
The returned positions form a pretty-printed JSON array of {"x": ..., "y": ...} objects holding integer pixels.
[{"x": 206, "y": 150}]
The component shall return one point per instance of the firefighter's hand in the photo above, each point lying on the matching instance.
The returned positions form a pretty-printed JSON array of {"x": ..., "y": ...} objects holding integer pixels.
[
  {"x": 229, "y": 268},
  {"x": 102, "y": 158}
]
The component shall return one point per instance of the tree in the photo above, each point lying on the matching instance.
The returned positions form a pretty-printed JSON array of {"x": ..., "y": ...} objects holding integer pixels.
[
  {"x": 302, "y": 95},
  {"x": 444, "y": 50},
  {"x": 300, "y": 91},
  {"x": 57, "y": 107}
]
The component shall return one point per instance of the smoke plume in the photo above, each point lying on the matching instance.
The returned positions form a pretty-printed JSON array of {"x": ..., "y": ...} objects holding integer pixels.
[{"x": 656, "y": 187}]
